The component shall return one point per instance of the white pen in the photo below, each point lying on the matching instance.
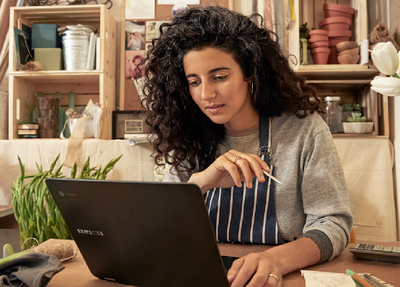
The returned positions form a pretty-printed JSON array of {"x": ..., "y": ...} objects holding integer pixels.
[{"x": 271, "y": 176}]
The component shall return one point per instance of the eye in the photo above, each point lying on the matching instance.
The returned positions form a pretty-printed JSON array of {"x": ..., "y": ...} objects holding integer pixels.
[
  {"x": 220, "y": 78},
  {"x": 194, "y": 83}
]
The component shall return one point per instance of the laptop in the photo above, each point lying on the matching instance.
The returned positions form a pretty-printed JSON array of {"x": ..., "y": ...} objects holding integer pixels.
[{"x": 141, "y": 233}]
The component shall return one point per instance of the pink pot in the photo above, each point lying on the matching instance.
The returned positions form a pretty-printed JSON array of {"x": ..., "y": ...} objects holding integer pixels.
[
  {"x": 316, "y": 38},
  {"x": 335, "y": 23},
  {"x": 319, "y": 44},
  {"x": 320, "y": 55},
  {"x": 333, "y": 55},
  {"x": 342, "y": 35},
  {"x": 336, "y": 10},
  {"x": 318, "y": 32}
]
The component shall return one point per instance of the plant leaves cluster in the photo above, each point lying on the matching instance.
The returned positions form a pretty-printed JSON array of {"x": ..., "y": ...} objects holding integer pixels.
[
  {"x": 34, "y": 208},
  {"x": 356, "y": 117}
]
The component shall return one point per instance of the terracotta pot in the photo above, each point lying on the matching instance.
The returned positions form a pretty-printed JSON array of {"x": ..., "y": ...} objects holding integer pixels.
[
  {"x": 342, "y": 35},
  {"x": 320, "y": 55},
  {"x": 354, "y": 51},
  {"x": 333, "y": 55},
  {"x": 316, "y": 38},
  {"x": 336, "y": 10},
  {"x": 348, "y": 59},
  {"x": 346, "y": 45},
  {"x": 319, "y": 44},
  {"x": 335, "y": 23},
  {"x": 318, "y": 32}
]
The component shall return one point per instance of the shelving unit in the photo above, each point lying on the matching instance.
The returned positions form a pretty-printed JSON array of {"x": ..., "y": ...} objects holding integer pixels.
[
  {"x": 351, "y": 82},
  {"x": 98, "y": 85}
]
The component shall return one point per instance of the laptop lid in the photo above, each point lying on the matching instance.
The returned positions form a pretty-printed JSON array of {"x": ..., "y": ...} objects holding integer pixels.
[{"x": 141, "y": 233}]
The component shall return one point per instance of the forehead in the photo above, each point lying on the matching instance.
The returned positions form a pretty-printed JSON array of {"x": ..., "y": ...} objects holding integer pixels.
[{"x": 208, "y": 58}]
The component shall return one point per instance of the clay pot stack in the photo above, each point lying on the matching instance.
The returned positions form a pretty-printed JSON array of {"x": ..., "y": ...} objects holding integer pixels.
[
  {"x": 337, "y": 22},
  {"x": 349, "y": 52},
  {"x": 319, "y": 46}
]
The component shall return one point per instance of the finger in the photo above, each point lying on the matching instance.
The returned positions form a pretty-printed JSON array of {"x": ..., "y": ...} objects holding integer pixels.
[
  {"x": 245, "y": 273},
  {"x": 247, "y": 173},
  {"x": 233, "y": 271}
]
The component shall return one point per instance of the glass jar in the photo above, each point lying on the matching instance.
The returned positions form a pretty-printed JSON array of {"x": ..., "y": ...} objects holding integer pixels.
[{"x": 334, "y": 114}]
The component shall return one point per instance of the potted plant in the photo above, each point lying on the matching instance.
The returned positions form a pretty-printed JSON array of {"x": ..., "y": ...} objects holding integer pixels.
[
  {"x": 34, "y": 208},
  {"x": 357, "y": 124},
  {"x": 304, "y": 36},
  {"x": 348, "y": 109}
]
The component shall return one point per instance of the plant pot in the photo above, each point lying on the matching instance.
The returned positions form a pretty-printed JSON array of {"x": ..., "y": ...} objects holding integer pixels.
[
  {"x": 336, "y": 10},
  {"x": 346, "y": 45},
  {"x": 316, "y": 38},
  {"x": 348, "y": 59},
  {"x": 355, "y": 51},
  {"x": 333, "y": 55},
  {"x": 342, "y": 35},
  {"x": 335, "y": 23},
  {"x": 318, "y": 32},
  {"x": 319, "y": 44},
  {"x": 320, "y": 55},
  {"x": 358, "y": 127}
]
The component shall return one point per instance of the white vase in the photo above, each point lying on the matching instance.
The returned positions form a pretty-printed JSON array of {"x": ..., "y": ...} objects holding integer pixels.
[{"x": 358, "y": 127}]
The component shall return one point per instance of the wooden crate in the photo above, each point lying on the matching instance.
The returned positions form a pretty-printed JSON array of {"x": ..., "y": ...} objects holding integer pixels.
[
  {"x": 98, "y": 85},
  {"x": 312, "y": 12}
]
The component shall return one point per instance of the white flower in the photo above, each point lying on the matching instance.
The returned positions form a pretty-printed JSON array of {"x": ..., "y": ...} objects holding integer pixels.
[
  {"x": 388, "y": 86},
  {"x": 385, "y": 58},
  {"x": 398, "y": 70}
]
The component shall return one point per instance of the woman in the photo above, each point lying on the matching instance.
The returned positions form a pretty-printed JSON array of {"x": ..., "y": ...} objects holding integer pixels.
[{"x": 226, "y": 107}]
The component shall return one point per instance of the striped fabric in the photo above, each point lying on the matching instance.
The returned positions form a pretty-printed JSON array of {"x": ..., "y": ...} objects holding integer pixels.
[{"x": 244, "y": 215}]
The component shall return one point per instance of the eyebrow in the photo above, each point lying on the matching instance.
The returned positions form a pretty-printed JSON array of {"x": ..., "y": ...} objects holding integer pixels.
[{"x": 210, "y": 72}]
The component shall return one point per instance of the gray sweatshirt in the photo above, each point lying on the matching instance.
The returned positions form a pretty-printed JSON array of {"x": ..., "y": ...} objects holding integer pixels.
[{"x": 312, "y": 200}]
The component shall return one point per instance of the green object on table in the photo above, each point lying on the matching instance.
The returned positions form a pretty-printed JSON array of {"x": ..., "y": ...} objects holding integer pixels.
[{"x": 11, "y": 254}]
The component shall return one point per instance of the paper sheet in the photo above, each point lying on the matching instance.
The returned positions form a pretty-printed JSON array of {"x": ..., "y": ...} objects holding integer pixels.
[
  {"x": 140, "y": 9},
  {"x": 327, "y": 279}
]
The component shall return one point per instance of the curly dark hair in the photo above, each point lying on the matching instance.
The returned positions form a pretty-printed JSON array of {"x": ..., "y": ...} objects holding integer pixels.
[{"x": 184, "y": 136}]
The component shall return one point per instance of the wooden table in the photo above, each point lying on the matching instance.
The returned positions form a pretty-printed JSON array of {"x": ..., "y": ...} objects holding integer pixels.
[{"x": 76, "y": 272}]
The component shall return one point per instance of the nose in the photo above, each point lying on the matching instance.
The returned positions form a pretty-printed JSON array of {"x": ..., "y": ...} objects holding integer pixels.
[{"x": 207, "y": 91}]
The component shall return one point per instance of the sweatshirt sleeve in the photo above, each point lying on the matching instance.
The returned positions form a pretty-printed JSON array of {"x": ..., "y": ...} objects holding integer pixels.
[{"x": 325, "y": 198}]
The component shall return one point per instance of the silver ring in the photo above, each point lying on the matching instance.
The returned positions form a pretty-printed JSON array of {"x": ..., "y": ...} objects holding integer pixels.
[
  {"x": 236, "y": 159},
  {"x": 273, "y": 275}
]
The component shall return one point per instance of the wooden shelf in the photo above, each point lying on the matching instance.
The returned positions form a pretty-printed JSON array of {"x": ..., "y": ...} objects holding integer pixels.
[
  {"x": 96, "y": 85},
  {"x": 336, "y": 72}
]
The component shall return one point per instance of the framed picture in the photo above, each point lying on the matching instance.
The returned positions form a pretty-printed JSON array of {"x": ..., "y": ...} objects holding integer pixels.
[{"x": 127, "y": 122}]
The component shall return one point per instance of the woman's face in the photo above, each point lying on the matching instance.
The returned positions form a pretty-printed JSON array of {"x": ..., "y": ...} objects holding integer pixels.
[{"x": 217, "y": 85}]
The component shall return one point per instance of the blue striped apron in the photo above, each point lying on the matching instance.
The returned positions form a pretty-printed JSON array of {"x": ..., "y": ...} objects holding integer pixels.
[{"x": 240, "y": 214}]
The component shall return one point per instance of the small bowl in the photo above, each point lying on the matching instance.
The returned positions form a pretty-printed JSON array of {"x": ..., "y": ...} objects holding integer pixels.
[
  {"x": 348, "y": 59},
  {"x": 354, "y": 51},
  {"x": 346, "y": 45},
  {"x": 335, "y": 23},
  {"x": 336, "y": 10}
]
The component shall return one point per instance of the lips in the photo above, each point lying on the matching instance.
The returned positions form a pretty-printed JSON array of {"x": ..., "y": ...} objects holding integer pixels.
[{"x": 213, "y": 109}]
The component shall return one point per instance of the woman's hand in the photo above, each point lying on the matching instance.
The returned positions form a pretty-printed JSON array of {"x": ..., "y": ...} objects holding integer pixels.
[
  {"x": 255, "y": 269},
  {"x": 231, "y": 168}
]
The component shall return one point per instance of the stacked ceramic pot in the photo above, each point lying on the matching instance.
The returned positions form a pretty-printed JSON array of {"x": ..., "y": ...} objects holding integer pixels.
[
  {"x": 319, "y": 46},
  {"x": 337, "y": 22}
]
